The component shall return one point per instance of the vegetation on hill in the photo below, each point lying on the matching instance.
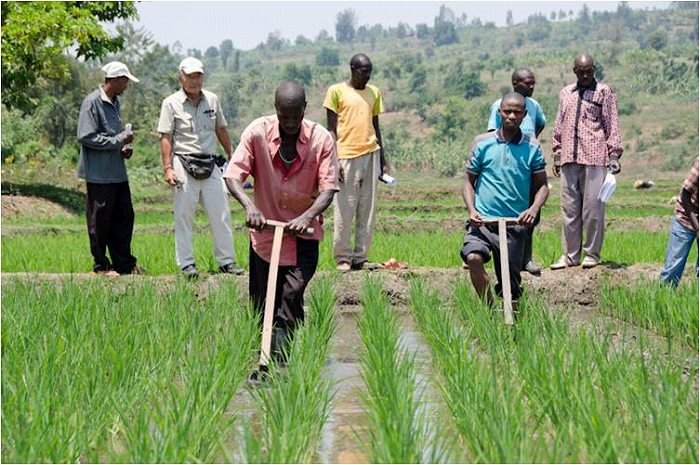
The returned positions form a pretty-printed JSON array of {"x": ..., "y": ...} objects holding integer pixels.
[{"x": 438, "y": 81}]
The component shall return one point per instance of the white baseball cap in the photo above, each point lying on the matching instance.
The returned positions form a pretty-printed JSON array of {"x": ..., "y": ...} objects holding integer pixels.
[
  {"x": 191, "y": 65},
  {"x": 115, "y": 69}
]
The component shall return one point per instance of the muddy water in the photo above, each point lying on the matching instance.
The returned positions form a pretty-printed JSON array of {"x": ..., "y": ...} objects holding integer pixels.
[
  {"x": 343, "y": 433},
  {"x": 338, "y": 437},
  {"x": 345, "y": 429}
]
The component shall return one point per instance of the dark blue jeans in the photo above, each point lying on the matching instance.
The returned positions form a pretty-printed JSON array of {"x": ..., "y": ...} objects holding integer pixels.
[{"x": 680, "y": 240}]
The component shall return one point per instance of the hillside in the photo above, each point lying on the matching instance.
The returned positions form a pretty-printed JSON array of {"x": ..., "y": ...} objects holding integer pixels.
[{"x": 438, "y": 82}]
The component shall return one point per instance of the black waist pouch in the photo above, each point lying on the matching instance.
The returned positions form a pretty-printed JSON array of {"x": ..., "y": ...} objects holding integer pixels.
[{"x": 198, "y": 166}]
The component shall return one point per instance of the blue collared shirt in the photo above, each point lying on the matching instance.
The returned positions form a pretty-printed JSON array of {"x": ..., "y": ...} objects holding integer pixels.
[
  {"x": 504, "y": 171},
  {"x": 533, "y": 119},
  {"x": 99, "y": 134}
]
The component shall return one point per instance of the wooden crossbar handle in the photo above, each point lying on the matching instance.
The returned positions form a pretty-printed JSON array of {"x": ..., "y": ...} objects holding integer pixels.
[
  {"x": 497, "y": 220},
  {"x": 272, "y": 224}
]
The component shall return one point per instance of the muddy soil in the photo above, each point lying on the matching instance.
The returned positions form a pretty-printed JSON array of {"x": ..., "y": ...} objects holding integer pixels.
[{"x": 20, "y": 206}]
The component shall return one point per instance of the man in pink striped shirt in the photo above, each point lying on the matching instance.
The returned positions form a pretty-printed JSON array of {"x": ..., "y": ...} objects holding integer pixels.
[{"x": 586, "y": 141}]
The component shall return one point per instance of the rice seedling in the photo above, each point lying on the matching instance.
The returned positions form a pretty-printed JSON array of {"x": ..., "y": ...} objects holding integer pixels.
[
  {"x": 398, "y": 430},
  {"x": 486, "y": 409},
  {"x": 543, "y": 393},
  {"x": 295, "y": 402},
  {"x": 135, "y": 373},
  {"x": 671, "y": 312}
]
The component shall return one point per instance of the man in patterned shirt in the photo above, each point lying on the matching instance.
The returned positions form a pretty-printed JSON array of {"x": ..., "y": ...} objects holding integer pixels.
[
  {"x": 585, "y": 141},
  {"x": 684, "y": 230}
]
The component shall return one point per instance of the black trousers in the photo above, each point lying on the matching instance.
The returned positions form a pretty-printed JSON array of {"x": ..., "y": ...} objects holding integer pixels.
[
  {"x": 291, "y": 284},
  {"x": 485, "y": 241},
  {"x": 527, "y": 256},
  {"x": 110, "y": 223}
]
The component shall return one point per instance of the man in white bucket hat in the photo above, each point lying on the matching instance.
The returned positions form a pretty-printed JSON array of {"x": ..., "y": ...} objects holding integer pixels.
[{"x": 104, "y": 145}]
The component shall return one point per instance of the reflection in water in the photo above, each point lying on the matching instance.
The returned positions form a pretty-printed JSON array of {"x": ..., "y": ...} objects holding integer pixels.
[{"x": 343, "y": 433}]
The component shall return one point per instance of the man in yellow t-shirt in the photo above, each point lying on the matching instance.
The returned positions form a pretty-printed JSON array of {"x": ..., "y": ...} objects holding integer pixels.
[{"x": 353, "y": 109}]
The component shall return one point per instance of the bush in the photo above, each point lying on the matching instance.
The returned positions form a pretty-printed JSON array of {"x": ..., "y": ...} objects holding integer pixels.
[
  {"x": 627, "y": 107},
  {"x": 672, "y": 131}
]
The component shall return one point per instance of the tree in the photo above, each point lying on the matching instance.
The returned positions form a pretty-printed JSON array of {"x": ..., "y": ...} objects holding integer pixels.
[
  {"x": 237, "y": 61},
  {"x": 445, "y": 33},
  {"x": 539, "y": 27},
  {"x": 446, "y": 14},
  {"x": 212, "y": 52},
  {"x": 300, "y": 73},
  {"x": 323, "y": 37},
  {"x": 403, "y": 30},
  {"x": 194, "y": 52},
  {"x": 327, "y": 57},
  {"x": 657, "y": 39},
  {"x": 599, "y": 72},
  {"x": 345, "y": 26},
  {"x": 418, "y": 79},
  {"x": 509, "y": 18},
  {"x": 302, "y": 41},
  {"x": 275, "y": 41},
  {"x": 225, "y": 50},
  {"x": 584, "y": 18},
  {"x": 36, "y": 36},
  {"x": 444, "y": 27},
  {"x": 465, "y": 82},
  {"x": 451, "y": 121},
  {"x": 422, "y": 30}
]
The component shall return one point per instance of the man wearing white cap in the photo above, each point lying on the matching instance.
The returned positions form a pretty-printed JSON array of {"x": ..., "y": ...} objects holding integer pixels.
[
  {"x": 104, "y": 144},
  {"x": 191, "y": 121}
]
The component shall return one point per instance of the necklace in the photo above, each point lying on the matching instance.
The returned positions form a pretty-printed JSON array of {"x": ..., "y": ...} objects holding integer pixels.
[{"x": 290, "y": 157}]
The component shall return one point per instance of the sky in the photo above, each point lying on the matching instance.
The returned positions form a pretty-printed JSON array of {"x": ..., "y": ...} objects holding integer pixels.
[{"x": 247, "y": 23}]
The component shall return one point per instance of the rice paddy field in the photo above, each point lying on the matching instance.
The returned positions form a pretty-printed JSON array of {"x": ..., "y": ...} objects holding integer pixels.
[{"x": 391, "y": 366}]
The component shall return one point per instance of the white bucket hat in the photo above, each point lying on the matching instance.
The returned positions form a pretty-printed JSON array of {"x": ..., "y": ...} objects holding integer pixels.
[
  {"x": 115, "y": 69},
  {"x": 191, "y": 65}
]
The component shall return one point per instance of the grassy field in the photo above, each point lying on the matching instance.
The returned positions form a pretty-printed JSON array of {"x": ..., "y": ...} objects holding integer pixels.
[
  {"x": 153, "y": 369},
  {"x": 420, "y": 222}
]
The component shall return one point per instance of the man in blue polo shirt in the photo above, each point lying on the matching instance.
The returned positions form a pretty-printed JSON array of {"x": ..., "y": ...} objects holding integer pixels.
[
  {"x": 502, "y": 168},
  {"x": 533, "y": 123}
]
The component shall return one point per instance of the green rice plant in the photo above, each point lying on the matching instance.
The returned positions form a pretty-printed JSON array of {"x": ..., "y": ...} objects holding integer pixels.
[
  {"x": 185, "y": 419},
  {"x": 398, "y": 430},
  {"x": 669, "y": 311},
  {"x": 484, "y": 401},
  {"x": 595, "y": 399},
  {"x": 94, "y": 371},
  {"x": 547, "y": 394},
  {"x": 295, "y": 402}
]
